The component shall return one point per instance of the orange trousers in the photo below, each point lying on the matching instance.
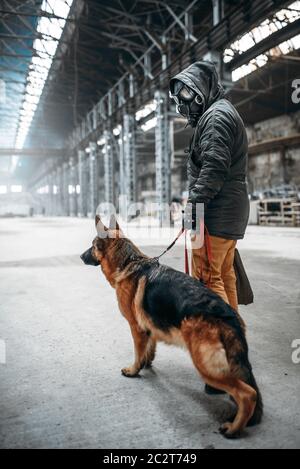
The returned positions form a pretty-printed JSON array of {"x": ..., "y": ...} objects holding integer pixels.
[{"x": 221, "y": 271}]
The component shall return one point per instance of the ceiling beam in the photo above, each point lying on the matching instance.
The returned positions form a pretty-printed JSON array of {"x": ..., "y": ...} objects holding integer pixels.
[
  {"x": 266, "y": 44},
  {"x": 274, "y": 144}
]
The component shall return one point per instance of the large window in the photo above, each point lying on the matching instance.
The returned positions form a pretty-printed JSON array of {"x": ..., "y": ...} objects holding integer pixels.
[{"x": 15, "y": 188}]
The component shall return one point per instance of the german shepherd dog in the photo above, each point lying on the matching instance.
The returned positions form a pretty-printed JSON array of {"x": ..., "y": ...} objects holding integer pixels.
[{"x": 163, "y": 304}]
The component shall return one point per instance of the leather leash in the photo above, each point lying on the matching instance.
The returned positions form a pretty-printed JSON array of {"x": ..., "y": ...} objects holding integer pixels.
[
  {"x": 207, "y": 244},
  {"x": 171, "y": 245}
]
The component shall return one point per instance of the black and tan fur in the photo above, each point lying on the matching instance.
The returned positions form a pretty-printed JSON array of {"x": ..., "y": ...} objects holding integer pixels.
[{"x": 162, "y": 304}]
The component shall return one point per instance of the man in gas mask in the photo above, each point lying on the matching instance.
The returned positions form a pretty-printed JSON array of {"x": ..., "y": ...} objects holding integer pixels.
[{"x": 216, "y": 168}]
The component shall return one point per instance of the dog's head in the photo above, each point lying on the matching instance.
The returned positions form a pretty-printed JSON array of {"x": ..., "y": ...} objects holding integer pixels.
[{"x": 106, "y": 236}]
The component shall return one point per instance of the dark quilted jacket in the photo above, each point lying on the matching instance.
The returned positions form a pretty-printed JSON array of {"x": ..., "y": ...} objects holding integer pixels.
[{"x": 217, "y": 162}]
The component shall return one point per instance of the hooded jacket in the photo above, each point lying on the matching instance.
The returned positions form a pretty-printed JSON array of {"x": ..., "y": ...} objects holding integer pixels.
[{"x": 217, "y": 161}]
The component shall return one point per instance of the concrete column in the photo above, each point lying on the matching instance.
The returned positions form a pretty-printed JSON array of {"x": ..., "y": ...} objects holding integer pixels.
[
  {"x": 72, "y": 188},
  {"x": 108, "y": 168},
  {"x": 49, "y": 196},
  {"x": 122, "y": 179},
  {"x": 121, "y": 162},
  {"x": 147, "y": 66},
  {"x": 283, "y": 163},
  {"x": 131, "y": 85},
  {"x": 93, "y": 180},
  {"x": 57, "y": 195},
  {"x": 162, "y": 156},
  {"x": 121, "y": 94},
  {"x": 129, "y": 153},
  {"x": 45, "y": 196},
  {"x": 53, "y": 193},
  {"x": 60, "y": 200},
  {"x": 83, "y": 183},
  {"x": 215, "y": 55},
  {"x": 164, "y": 57},
  {"x": 65, "y": 189},
  {"x": 217, "y": 11},
  {"x": 188, "y": 22}
]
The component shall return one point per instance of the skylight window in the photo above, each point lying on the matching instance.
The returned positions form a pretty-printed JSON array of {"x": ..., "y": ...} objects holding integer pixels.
[
  {"x": 145, "y": 111},
  {"x": 44, "y": 51},
  {"x": 280, "y": 20},
  {"x": 16, "y": 189},
  {"x": 149, "y": 124},
  {"x": 261, "y": 60}
]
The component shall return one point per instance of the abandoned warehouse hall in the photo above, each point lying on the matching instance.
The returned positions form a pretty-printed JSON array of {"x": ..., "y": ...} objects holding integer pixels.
[{"x": 149, "y": 226}]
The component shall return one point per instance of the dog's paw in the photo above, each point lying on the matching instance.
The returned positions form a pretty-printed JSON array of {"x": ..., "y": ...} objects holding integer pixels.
[
  {"x": 146, "y": 364},
  {"x": 129, "y": 372},
  {"x": 227, "y": 430}
]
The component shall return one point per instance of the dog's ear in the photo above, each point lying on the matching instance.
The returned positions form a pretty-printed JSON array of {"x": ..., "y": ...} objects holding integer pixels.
[
  {"x": 100, "y": 227},
  {"x": 113, "y": 224},
  {"x": 114, "y": 227}
]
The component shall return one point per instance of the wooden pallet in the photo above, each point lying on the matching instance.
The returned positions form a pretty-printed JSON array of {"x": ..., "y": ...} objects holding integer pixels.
[
  {"x": 277, "y": 212},
  {"x": 296, "y": 213}
]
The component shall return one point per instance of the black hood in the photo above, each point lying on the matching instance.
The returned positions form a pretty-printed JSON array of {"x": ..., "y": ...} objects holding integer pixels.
[{"x": 201, "y": 77}]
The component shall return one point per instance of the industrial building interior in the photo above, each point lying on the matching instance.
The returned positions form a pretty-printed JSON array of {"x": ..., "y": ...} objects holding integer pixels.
[{"x": 86, "y": 119}]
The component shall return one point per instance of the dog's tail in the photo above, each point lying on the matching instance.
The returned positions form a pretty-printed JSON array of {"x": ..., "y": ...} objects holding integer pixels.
[
  {"x": 236, "y": 348},
  {"x": 259, "y": 408}
]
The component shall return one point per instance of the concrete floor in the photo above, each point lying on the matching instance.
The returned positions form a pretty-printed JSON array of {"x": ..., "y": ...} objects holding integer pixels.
[{"x": 66, "y": 342}]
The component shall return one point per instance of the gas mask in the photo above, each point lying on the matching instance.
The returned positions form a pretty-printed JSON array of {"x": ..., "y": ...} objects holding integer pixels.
[{"x": 189, "y": 104}]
